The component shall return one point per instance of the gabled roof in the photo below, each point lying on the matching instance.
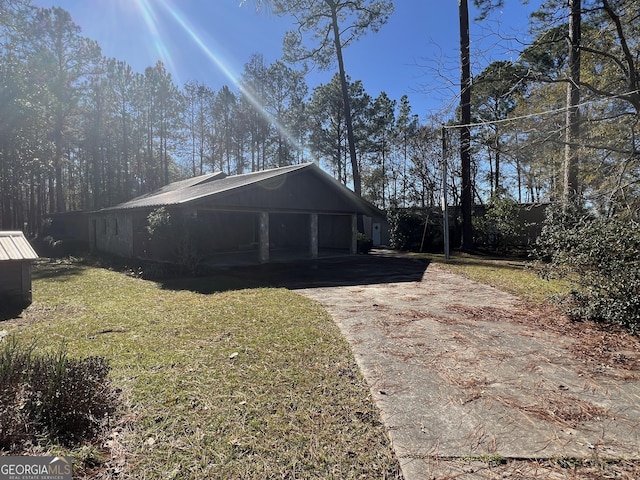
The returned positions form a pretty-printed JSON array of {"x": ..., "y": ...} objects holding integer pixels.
[
  {"x": 186, "y": 191},
  {"x": 200, "y": 188},
  {"x": 14, "y": 246},
  {"x": 183, "y": 184}
]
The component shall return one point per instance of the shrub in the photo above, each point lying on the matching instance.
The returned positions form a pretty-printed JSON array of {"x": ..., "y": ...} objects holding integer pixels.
[
  {"x": 159, "y": 222},
  {"x": 14, "y": 363},
  {"x": 404, "y": 227},
  {"x": 500, "y": 228},
  {"x": 601, "y": 256},
  {"x": 407, "y": 229},
  {"x": 365, "y": 244},
  {"x": 179, "y": 232},
  {"x": 52, "y": 396}
]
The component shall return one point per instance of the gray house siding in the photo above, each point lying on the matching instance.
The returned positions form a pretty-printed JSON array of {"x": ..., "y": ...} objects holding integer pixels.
[{"x": 113, "y": 233}]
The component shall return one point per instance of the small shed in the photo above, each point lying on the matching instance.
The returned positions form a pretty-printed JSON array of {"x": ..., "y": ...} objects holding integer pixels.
[{"x": 16, "y": 257}]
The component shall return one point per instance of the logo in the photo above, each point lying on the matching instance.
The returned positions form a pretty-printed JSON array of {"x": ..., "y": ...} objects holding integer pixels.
[{"x": 35, "y": 468}]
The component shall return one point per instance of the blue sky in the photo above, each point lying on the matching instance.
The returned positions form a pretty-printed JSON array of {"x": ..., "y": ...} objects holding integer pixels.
[{"x": 415, "y": 53}]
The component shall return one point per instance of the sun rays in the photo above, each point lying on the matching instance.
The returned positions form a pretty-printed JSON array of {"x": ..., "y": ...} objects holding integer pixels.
[
  {"x": 152, "y": 23},
  {"x": 149, "y": 11}
]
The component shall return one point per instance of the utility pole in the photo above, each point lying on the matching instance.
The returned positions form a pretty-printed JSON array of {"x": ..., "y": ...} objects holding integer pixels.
[{"x": 445, "y": 203}]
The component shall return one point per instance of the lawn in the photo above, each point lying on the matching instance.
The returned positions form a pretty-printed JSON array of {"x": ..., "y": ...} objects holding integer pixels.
[
  {"x": 511, "y": 275},
  {"x": 244, "y": 383}
]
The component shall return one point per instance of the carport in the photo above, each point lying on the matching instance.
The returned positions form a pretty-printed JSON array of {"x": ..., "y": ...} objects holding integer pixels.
[
  {"x": 298, "y": 211},
  {"x": 227, "y": 237}
]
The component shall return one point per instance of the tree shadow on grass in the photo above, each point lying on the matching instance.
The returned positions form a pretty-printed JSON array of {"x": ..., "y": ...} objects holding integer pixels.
[{"x": 46, "y": 268}]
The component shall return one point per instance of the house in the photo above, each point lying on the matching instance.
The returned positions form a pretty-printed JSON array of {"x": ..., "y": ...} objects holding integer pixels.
[
  {"x": 16, "y": 256},
  {"x": 291, "y": 212}
]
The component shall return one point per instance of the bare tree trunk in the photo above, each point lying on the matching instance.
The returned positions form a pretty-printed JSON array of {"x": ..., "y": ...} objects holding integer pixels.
[
  {"x": 357, "y": 182},
  {"x": 465, "y": 130},
  {"x": 572, "y": 122}
]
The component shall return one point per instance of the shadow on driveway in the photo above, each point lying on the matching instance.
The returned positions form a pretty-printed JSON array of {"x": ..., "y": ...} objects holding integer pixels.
[{"x": 381, "y": 266}]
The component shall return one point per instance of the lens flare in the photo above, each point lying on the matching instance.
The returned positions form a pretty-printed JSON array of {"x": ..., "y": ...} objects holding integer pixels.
[{"x": 151, "y": 21}]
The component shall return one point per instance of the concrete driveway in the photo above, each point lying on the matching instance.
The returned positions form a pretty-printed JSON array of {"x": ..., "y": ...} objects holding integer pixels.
[{"x": 466, "y": 376}]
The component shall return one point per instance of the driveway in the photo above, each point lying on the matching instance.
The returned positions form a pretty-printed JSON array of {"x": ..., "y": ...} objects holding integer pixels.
[{"x": 467, "y": 376}]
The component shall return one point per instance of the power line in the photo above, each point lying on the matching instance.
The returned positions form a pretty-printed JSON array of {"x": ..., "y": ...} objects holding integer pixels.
[{"x": 530, "y": 115}]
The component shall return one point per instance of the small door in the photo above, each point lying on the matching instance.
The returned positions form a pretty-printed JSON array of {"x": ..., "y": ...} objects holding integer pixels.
[{"x": 376, "y": 235}]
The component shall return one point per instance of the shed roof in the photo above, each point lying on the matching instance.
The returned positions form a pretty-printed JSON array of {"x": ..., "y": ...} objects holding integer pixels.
[
  {"x": 14, "y": 246},
  {"x": 192, "y": 190}
]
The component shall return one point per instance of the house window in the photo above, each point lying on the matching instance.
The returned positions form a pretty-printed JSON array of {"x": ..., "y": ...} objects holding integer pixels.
[
  {"x": 115, "y": 226},
  {"x": 104, "y": 226}
]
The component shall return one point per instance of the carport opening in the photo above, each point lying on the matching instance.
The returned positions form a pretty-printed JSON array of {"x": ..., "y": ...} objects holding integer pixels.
[
  {"x": 334, "y": 234},
  {"x": 289, "y": 232},
  {"x": 226, "y": 237},
  {"x": 290, "y": 235}
]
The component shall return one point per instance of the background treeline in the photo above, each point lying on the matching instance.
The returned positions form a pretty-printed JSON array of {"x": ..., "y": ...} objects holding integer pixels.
[
  {"x": 519, "y": 107},
  {"x": 79, "y": 131}
]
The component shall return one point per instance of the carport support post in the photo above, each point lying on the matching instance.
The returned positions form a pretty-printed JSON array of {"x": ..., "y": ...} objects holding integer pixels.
[
  {"x": 264, "y": 237},
  {"x": 313, "y": 231},
  {"x": 354, "y": 234}
]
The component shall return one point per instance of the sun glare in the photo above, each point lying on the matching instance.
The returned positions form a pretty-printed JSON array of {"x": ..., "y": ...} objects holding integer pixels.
[
  {"x": 152, "y": 23},
  {"x": 203, "y": 42}
]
